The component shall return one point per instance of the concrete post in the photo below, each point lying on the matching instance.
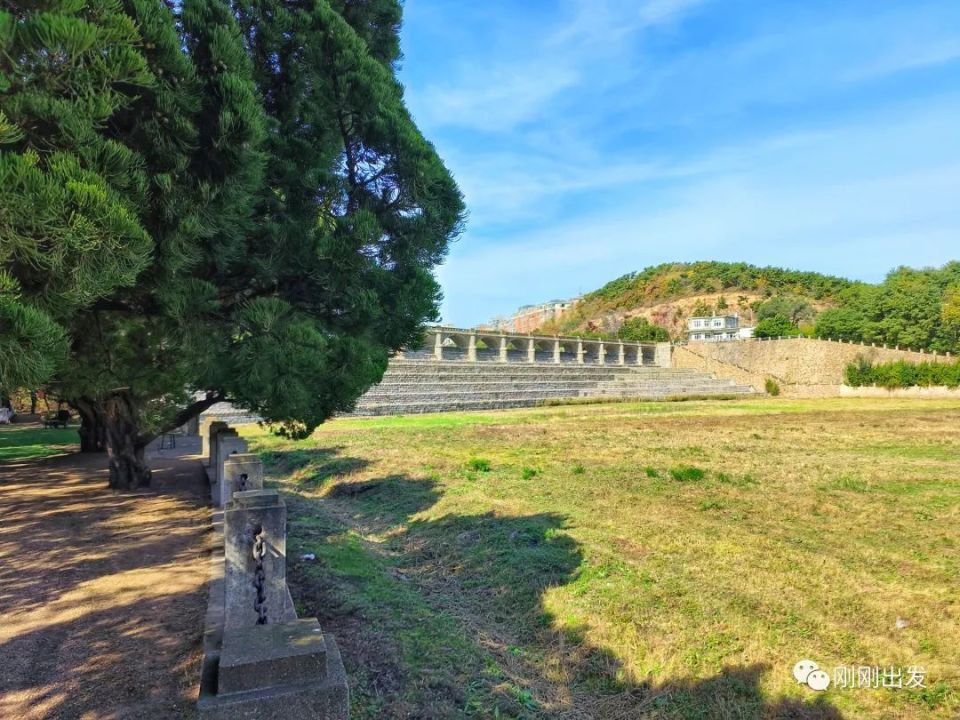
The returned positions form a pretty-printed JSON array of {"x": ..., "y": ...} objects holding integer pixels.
[
  {"x": 241, "y": 472},
  {"x": 639, "y": 354},
  {"x": 503, "y": 349},
  {"x": 208, "y": 437},
  {"x": 438, "y": 345},
  {"x": 621, "y": 354},
  {"x": 251, "y": 514},
  {"x": 472, "y": 347},
  {"x": 661, "y": 355},
  {"x": 580, "y": 352},
  {"x": 225, "y": 438},
  {"x": 556, "y": 352},
  {"x": 601, "y": 353},
  {"x": 531, "y": 350}
]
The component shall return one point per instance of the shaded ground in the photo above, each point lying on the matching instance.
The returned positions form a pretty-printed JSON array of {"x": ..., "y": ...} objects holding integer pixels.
[
  {"x": 102, "y": 594},
  {"x": 657, "y": 560}
]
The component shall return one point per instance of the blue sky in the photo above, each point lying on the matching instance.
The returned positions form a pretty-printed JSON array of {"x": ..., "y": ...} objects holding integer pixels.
[{"x": 596, "y": 137}]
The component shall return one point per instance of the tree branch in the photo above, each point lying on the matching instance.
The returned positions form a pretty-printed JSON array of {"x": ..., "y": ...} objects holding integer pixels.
[{"x": 184, "y": 416}]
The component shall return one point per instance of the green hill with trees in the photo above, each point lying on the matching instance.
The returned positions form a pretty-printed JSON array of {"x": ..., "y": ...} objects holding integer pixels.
[{"x": 918, "y": 308}]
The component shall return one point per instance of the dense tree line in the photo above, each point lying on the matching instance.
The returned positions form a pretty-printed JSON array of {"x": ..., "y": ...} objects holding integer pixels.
[
  {"x": 911, "y": 308},
  {"x": 208, "y": 201}
]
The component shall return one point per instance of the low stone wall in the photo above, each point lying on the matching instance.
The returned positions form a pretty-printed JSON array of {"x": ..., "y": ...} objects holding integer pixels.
[
  {"x": 802, "y": 367},
  {"x": 934, "y": 392}
]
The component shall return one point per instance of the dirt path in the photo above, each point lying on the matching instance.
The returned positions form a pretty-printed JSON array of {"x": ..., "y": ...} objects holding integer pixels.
[{"x": 102, "y": 594}]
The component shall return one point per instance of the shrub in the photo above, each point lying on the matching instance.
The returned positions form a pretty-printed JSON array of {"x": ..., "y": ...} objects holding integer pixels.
[
  {"x": 776, "y": 326},
  {"x": 528, "y": 473},
  {"x": 772, "y": 387},
  {"x": 687, "y": 473},
  {"x": 579, "y": 469},
  {"x": 479, "y": 464},
  {"x": 901, "y": 374}
]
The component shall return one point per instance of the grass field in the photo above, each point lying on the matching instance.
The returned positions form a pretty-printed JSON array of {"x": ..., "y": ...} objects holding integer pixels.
[
  {"x": 25, "y": 443},
  {"x": 663, "y": 560}
]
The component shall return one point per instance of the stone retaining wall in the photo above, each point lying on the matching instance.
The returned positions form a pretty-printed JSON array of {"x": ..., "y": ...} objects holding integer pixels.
[{"x": 802, "y": 367}]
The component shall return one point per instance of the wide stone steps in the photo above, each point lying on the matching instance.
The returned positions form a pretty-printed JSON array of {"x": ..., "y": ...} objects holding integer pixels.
[{"x": 419, "y": 386}]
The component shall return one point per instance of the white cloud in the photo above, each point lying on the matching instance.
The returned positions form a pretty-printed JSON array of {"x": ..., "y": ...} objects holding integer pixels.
[
  {"x": 497, "y": 93},
  {"x": 853, "y": 200}
]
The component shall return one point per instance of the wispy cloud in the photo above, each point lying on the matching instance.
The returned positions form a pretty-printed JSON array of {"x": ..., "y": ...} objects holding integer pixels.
[{"x": 592, "y": 137}]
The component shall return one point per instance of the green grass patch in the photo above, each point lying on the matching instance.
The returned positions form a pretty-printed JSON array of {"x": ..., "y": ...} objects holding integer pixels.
[{"x": 29, "y": 443}]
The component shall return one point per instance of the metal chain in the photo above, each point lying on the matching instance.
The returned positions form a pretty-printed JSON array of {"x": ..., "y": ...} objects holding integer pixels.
[{"x": 259, "y": 579}]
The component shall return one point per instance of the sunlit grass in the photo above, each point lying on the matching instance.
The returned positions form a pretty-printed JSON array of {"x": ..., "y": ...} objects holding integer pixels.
[
  {"x": 25, "y": 443},
  {"x": 674, "y": 558}
]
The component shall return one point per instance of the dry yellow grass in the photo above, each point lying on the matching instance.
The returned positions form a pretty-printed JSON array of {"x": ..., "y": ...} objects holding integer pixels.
[{"x": 649, "y": 560}]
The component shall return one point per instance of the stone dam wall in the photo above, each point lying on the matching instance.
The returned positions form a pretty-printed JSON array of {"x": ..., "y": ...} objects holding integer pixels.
[{"x": 802, "y": 367}]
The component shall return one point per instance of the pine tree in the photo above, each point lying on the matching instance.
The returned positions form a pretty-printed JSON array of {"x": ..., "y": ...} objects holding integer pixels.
[
  {"x": 69, "y": 231},
  {"x": 200, "y": 129},
  {"x": 296, "y": 213}
]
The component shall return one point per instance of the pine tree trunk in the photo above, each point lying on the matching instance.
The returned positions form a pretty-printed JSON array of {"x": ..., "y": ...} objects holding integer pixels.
[
  {"x": 125, "y": 446},
  {"x": 93, "y": 431}
]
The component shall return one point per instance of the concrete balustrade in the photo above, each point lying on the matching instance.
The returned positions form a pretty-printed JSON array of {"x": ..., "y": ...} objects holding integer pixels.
[
  {"x": 260, "y": 660},
  {"x": 454, "y": 344}
]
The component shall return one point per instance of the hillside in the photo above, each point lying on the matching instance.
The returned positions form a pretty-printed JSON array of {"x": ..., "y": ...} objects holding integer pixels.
[{"x": 668, "y": 294}]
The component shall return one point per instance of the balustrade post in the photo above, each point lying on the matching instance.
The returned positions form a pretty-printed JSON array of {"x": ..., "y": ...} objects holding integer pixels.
[
  {"x": 472, "y": 347},
  {"x": 503, "y": 348},
  {"x": 556, "y": 351},
  {"x": 601, "y": 353},
  {"x": 580, "y": 352},
  {"x": 438, "y": 345},
  {"x": 531, "y": 350},
  {"x": 621, "y": 354},
  {"x": 255, "y": 546}
]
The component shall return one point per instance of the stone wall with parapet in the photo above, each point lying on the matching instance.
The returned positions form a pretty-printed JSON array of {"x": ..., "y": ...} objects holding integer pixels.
[{"x": 802, "y": 367}]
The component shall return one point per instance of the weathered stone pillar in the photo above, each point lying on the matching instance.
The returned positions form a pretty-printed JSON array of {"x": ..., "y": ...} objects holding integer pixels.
[
  {"x": 639, "y": 354},
  {"x": 503, "y": 349},
  {"x": 228, "y": 443},
  {"x": 580, "y": 352},
  {"x": 472, "y": 347},
  {"x": 556, "y": 351},
  {"x": 621, "y": 354},
  {"x": 661, "y": 355},
  {"x": 601, "y": 353},
  {"x": 438, "y": 345},
  {"x": 241, "y": 472},
  {"x": 255, "y": 540},
  {"x": 531, "y": 350},
  {"x": 208, "y": 438}
]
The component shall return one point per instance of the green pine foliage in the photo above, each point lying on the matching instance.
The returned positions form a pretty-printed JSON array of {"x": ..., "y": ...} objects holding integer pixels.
[
  {"x": 356, "y": 210},
  {"x": 69, "y": 192},
  {"x": 291, "y": 212}
]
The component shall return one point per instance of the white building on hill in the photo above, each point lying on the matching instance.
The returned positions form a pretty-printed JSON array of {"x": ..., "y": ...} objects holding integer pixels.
[{"x": 717, "y": 328}]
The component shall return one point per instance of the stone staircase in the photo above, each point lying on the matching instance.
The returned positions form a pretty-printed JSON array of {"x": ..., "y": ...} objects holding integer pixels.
[{"x": 420, "y": 386}]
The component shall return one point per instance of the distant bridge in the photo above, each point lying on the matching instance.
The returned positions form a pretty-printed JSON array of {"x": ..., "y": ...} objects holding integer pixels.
[{"x": 457, "y": 344}]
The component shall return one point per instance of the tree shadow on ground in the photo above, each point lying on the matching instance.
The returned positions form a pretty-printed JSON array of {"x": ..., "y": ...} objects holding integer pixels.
[
  {"x": 311, "y": 467},
  {"x": 444, "y": 617},
  {"x": 102, "y": 593}
]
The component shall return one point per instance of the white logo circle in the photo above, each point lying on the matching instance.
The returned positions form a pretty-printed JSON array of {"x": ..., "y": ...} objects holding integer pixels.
[
  {"x": 818, "y": 680},
  {"x": 803, "y": 669}
]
